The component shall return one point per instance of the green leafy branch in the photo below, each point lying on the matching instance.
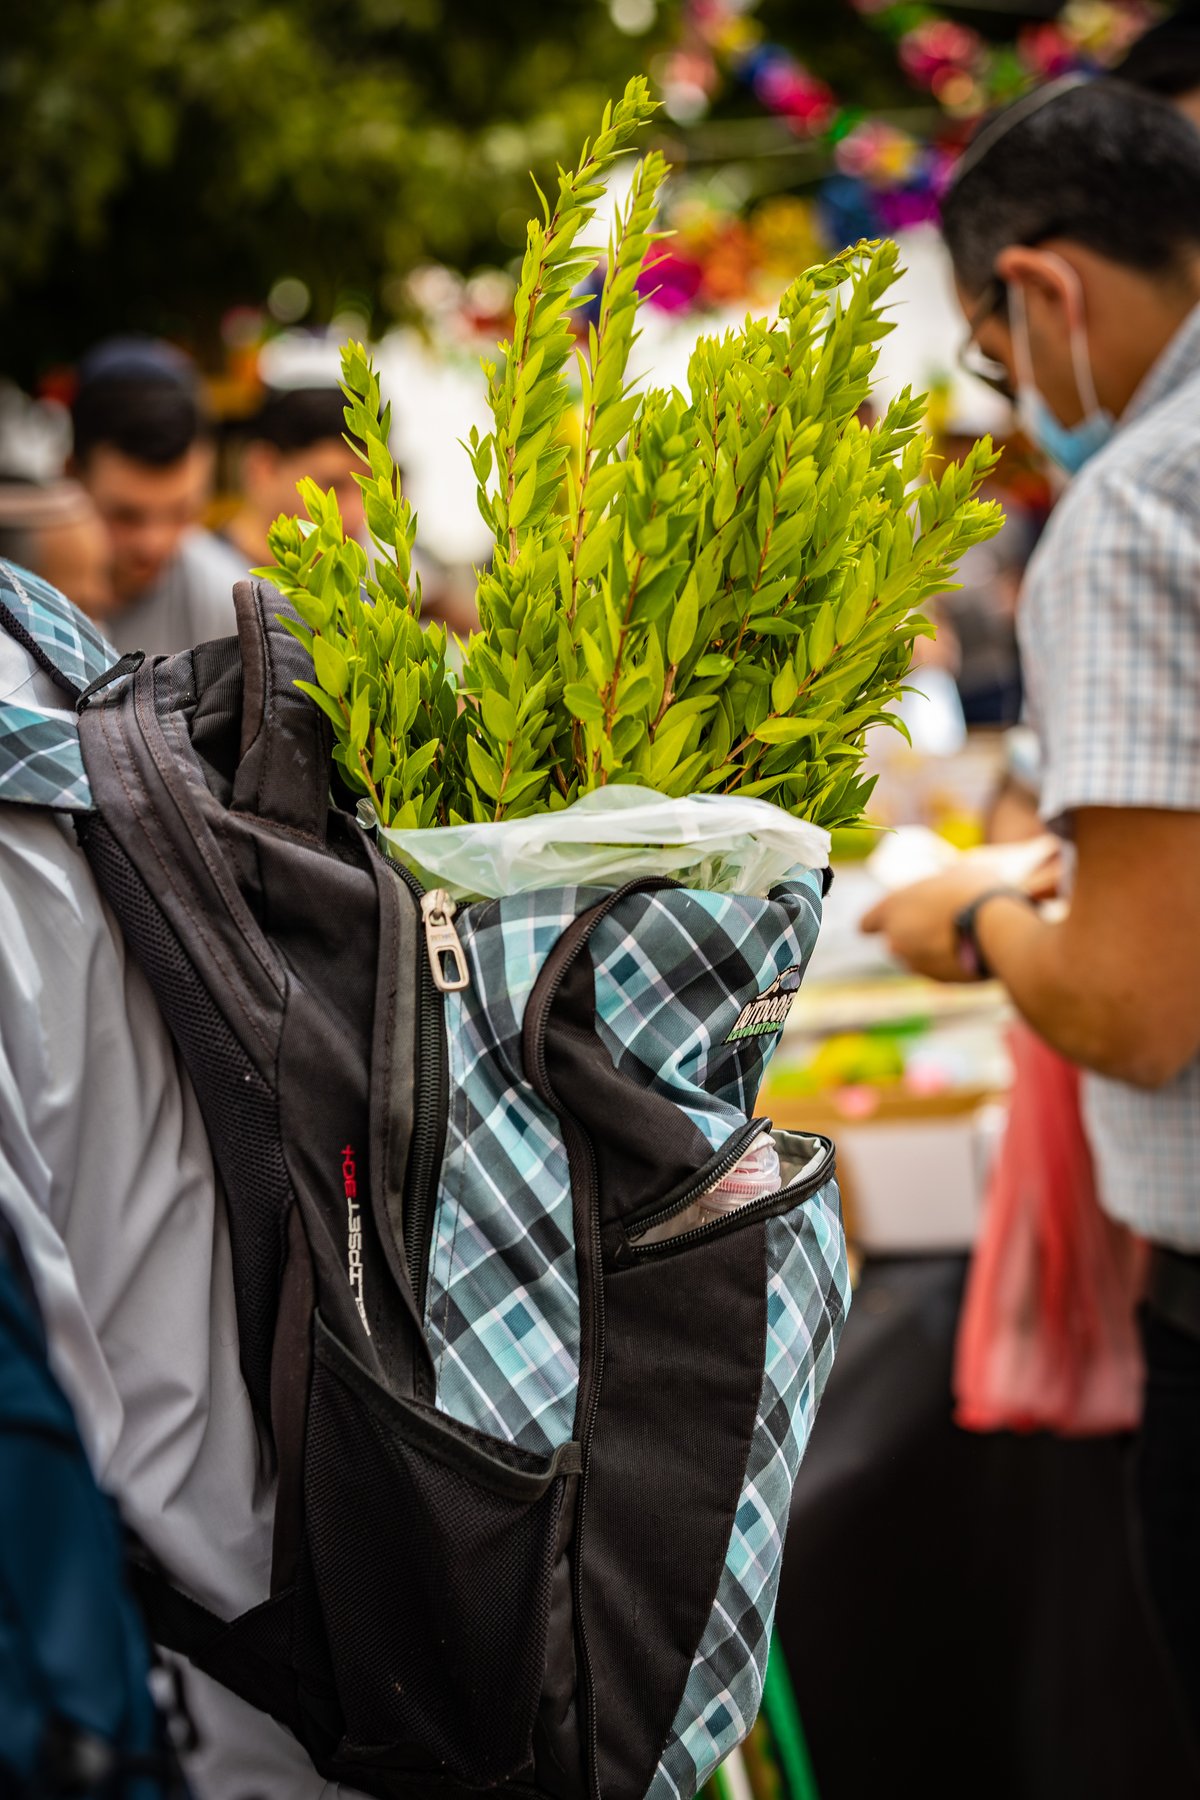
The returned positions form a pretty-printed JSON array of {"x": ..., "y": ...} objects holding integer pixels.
[{"x": 713, "y": 591}]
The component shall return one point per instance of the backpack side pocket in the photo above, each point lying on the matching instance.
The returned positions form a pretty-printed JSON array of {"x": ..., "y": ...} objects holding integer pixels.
[{"x": 434, "y": 1550}]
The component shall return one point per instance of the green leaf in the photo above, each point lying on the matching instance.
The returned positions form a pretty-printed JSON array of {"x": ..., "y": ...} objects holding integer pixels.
[
  {"x": 499, "y": 715},
  {"x": 713, "y": 663},
  {"x": 381, "y": 758},
  {"x": 726, "y": 499},
  {"x": 583, "y": 702},
  {"x": 594, "y": 659},
  {"x": 821, "y": 638},
  {"x": 300, "y": 632},
  {"x": 786, "y": 731},
  {"x": 784, "y": 689},
  {"x": 769, "y": 595},
  {"x": 654, "y": 596},
  {"x": 650, "y": 539},
  {"x": 681, "y": 633},
  {"x": 604, "y": 485},
  {"x": 333, "y": 671},
  {"x": 634, "y": 694},
  {"x": 754, "y": 790},
  {"x": 360, "y": 719},
  {"x": 420, "y": 760},
  {"x": 327, "y": 706},
  {"x": 614, "y": 424},
  {"x": 484, "y": 769},
  {"x": 596, "y": 547},
  {"x": 522, "y": 498}
]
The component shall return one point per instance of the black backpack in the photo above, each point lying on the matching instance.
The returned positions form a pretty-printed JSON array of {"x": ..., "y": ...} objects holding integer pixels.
[{"x": 535, "y": 1445}]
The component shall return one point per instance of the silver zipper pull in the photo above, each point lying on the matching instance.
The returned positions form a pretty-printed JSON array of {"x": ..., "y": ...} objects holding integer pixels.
[{"x": 441, "y": 940}]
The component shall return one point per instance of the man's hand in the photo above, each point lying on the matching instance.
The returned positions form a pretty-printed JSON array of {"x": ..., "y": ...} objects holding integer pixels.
[
  {"x": 1115, "y": 985},
  {"x": 918, "y": 921}
]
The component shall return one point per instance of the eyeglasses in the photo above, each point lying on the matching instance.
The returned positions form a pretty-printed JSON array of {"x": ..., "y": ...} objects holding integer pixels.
[{"x": 971, "y": 359}]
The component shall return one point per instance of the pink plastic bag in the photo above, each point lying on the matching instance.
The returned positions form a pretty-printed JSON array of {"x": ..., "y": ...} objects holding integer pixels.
[{"x": 1047, "y": 1338}]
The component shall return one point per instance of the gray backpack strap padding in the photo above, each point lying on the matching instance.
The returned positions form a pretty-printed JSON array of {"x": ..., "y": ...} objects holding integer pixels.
[{"x": 283, "y": 774}]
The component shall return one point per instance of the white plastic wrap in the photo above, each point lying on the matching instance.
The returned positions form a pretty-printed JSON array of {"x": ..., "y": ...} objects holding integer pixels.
[{"x": 718, "y": 842}]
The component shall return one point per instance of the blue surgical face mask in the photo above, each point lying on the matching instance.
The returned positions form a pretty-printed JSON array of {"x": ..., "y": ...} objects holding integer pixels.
[{"x": 1070, "y": 446}]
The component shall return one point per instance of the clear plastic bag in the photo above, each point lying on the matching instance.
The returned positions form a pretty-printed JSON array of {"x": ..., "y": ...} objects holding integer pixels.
[{"x": 719, "y": 842}]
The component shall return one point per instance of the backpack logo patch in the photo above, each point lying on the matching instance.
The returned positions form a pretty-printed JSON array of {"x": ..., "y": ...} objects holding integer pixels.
[
  {"x": 766, "y": 1014},
  {"x": 354, "y": 1241}
]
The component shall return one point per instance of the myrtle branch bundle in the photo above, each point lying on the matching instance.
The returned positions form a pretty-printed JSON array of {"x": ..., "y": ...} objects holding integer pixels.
[{"x": 710, "y": 592}]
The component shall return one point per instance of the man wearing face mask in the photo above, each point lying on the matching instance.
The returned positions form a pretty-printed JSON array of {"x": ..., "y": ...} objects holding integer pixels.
[{"x": 1074, "y": 228}]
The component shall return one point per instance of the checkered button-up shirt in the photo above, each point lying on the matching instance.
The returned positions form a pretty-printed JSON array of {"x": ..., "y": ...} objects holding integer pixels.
[
  {"x": 1110, "y": 635},
  {"x": 40, "y": 759}
]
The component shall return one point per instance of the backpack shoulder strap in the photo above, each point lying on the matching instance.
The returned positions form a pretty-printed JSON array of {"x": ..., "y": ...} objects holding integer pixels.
[
  {"x": 248, "y": 1655},
  {"x": 283, "y": 771}
]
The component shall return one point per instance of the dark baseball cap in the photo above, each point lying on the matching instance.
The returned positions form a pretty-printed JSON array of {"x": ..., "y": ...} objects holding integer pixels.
[{"x": 138, "y": 358}]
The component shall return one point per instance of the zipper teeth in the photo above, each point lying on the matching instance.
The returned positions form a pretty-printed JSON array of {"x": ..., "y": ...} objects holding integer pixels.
[
  {"x": 597, "y": 1285},
  {"x": 577, "y": 949},
  {"x": 592, "y": 1769},
  {"x": 424, "y": 1166},
  {"x": 423, "y": 1135},
  {"x": 741, "y": 1142},
  {"x": 752, "y": 1209}
]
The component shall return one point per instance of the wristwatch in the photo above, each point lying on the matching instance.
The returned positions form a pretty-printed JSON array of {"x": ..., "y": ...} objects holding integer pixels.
[{"x": 971, "y": 960}]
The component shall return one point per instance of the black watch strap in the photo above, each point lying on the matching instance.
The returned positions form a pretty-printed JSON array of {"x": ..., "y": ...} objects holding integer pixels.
[{"x": 972, "y": 960}]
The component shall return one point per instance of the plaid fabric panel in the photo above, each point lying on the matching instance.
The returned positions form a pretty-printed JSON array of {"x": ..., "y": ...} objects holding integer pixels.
[
  {"x": 674, "y": 970},
  {"x": 503, "y": 1295},
  {"x": 40, "y": 760},
  {"x": 808, "y": 1295}
]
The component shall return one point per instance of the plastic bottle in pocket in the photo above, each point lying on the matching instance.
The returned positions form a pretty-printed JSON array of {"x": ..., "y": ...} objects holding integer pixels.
[{"x": 755, "y": 1173}]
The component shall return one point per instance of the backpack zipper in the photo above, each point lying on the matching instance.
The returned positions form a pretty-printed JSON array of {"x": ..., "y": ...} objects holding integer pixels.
[
  {"x": 795, "y": 1194},
  {"x": 442, "y": 941},
  {"x": 592, "y": 1770},
  {"x": 433, "y": 1077},
  {"x": 572, "y": 1131}
]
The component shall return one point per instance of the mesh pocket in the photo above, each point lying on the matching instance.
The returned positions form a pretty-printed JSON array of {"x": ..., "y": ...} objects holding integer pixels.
[{"x": 434, "y": 1552}]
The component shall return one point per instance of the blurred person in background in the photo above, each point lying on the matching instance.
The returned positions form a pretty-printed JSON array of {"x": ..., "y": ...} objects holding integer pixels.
[
  {"x": 107, "y": 1182},
  {"x": 1073, "y": 224},
  {"x": 54, "y": 529},
  {"x": 301, "y": 431},
  {"x": 980, "y": 615},
  {"x": 296, "y": 432},
  {"x": 1166, "y": 60},
  {"x": 143, "y": 449}
]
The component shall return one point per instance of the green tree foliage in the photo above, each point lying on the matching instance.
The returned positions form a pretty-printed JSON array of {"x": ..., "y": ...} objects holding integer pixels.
[
  {"x": 710, "y": 592},
  {"x": 164, "y": 159}
]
